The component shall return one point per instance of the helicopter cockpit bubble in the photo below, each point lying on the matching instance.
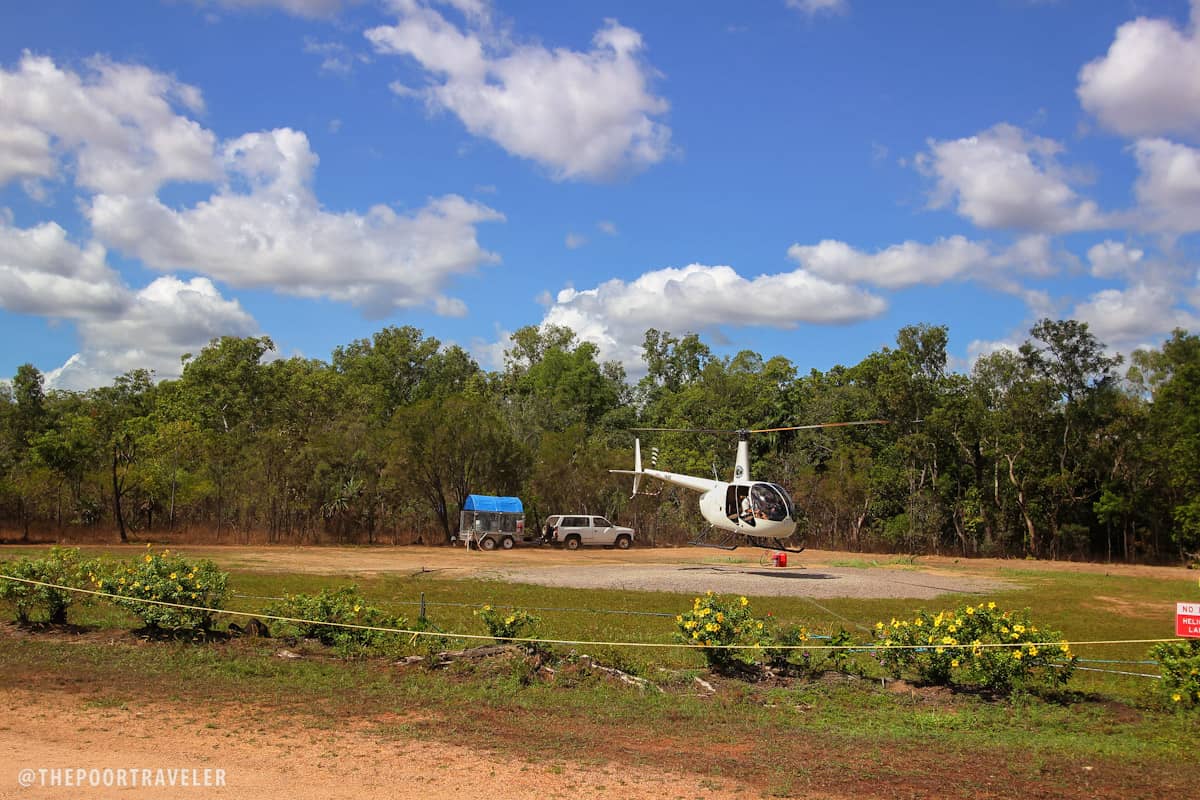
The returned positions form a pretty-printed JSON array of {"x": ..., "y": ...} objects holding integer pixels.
[{"x": 771, "y": 502}]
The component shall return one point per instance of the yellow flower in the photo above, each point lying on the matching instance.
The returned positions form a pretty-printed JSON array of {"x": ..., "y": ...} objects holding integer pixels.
[
  {"x": 173, "y": 576},
  {"x": 954, "y": 663},
  {"x": 991, "y": 605},
  {"x": 690, "y": 624},
  {"x": 918, "y": 622},
  {"x": 1019, "y": 628},
  {"x": 149, "y": 558},
  {"x": 509, "y": 620},
  {"x": 194, "y": 595},
  {"x": 720, "y": 617},
  {"x": 970, "y": 611},
  {"x": 357, "y": 609},
  {"x": 947, "y": 640},
  {"x": 191, "y": 575},
  {"x": 758, "y": 625},
  {"x": 878, "y": 626},
  {"x": 136, "y": 585},
  {"x": 940, "y": 650},
  {"x": 695, "y": 634},
  {"x": 1033, "y": 651},
  {"x": 1017, "y": 655},
  {"x": 743, "y": 601},
  {"x": 678, "y": 618},
  {"x": 712, "y": 627},
  {"x": 1176, "y": 697},
  {"x": 704, "y": 612}
]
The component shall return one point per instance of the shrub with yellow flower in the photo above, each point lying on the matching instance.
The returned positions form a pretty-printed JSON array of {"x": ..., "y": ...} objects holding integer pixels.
[
  {"x": 714, "y": 623},
  {"x": 61, "y": 566},
  {"x": 161, "y": 576},
  {"x": 1179, "y": 665},
  {"x": 344, "y": 606},
  {"x": 987, "y": 648}
]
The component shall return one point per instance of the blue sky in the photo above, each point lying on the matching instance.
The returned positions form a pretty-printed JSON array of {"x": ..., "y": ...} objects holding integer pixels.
[{"x": 795, "y": 177}]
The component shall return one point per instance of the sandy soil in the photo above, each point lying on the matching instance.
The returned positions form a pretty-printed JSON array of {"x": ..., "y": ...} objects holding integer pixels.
[{"x": 287, "y": 758}]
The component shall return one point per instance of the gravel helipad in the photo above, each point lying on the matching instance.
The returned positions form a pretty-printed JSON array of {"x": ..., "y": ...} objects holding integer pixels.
[{"x": 755, "y": 580}]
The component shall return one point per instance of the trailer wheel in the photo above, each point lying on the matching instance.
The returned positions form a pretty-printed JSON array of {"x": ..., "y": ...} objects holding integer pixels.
[
  {"x": 487, "y": 543},
  {"x": 572, "y": 543},
  {"x": 507, "y": 543},
  {"x": 623, "y": 542}
]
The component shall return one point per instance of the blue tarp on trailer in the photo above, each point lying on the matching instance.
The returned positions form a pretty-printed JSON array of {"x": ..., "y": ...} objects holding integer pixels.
[{"x": 483, "y": 502}]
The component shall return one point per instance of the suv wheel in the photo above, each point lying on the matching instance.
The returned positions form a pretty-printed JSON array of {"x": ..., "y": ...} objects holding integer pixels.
[
  {"x": 623, "y": 542},
  {"x": 572, "y": 543}
]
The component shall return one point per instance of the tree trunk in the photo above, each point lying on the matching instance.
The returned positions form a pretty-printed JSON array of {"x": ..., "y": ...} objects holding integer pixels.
[{"x": 116, "y": 483}]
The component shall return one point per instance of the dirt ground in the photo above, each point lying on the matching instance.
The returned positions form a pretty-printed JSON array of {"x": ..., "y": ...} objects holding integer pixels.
[{"x": 284, "y": 758}]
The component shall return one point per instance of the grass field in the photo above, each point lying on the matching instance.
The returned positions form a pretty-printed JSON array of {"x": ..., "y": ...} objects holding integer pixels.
[{"x": 861, "y": 736}]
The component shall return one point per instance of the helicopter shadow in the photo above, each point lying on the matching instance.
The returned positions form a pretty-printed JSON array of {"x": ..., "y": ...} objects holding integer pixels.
[{"x": 812, "y": 576}]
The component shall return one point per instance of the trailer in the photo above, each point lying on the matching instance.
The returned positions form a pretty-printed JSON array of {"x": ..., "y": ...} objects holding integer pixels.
[{"x": 489, "y": 522}]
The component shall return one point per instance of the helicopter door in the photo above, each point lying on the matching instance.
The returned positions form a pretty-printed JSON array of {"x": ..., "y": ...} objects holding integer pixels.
[{"x": 739, "y": 505}]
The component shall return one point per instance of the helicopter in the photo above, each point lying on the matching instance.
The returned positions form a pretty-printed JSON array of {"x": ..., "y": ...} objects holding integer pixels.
[{"x": 742, "y": 510}]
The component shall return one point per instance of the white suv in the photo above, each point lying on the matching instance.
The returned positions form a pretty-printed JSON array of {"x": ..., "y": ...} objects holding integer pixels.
[{"x": 573, "y": 531}]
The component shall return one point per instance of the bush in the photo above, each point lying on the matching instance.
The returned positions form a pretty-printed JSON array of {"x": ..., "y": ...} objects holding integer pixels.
[
  {"x": 979, "y": 647},
  {"x": 517, "y": 624},
  {"x": 169, "y": 579},
  {"x": 1179, "y": 663},
  {"x": 781, "y": 654},
  {"x": 345, "y": 606},
  {"x": 715, "y": 623},
  {"x": 61, "y": 566}
]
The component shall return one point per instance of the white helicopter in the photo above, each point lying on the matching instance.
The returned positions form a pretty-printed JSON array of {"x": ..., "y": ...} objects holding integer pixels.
[{"x": 758, "y": 513}]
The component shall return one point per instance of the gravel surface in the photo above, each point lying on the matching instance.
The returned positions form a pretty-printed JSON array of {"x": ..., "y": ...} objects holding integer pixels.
[{"x": 759, "y": 581}]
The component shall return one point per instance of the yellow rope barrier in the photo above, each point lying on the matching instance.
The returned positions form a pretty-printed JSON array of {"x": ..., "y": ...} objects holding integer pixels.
[{"x": 673, "y": 645}]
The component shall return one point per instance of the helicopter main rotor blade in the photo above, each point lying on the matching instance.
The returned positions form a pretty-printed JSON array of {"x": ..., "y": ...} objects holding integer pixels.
[
  {"x": 685, "y": 430},
  {"x": 823, "y": 425},
  {"x": 768, "y": 430}
]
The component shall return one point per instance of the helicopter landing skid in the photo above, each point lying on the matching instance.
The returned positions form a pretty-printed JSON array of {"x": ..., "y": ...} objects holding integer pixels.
[
  {"x": 731, "y": 541},
  {"x": 721, "y": 541}
]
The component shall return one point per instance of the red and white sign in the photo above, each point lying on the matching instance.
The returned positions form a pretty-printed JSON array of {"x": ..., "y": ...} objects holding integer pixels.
[{"x": 1187, "y": 620}]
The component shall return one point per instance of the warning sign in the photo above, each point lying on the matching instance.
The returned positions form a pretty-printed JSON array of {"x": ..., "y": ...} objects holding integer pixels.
[{"x": 1187, "y": 620}]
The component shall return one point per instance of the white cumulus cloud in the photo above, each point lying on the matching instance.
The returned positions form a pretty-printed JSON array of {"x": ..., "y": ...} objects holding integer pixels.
[
  {"x": 616, "y": 314},
  {"x": 164, "y": 320},
  {"x": 1125, "y": 319},
  {"x": 1148, "y": 84},
  {"x": 265, "y": 228},
  {"x": 1005, "y": 178},
  {"x": 583, "y": 115},
  {"x": 116, "y": 125},
  {"x": 1168, "y": 186},
  {"x": 120, "y": 328},
  {"x": 900, "y": 265},
  {"x": 1110, "y": 259}
]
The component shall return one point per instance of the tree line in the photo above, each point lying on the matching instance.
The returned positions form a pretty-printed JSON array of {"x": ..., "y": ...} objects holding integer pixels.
[{"x": 1056, "y": 449}]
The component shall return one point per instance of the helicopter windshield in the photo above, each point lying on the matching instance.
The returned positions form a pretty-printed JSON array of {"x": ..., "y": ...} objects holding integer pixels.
[{"x": 771, "y": 502}]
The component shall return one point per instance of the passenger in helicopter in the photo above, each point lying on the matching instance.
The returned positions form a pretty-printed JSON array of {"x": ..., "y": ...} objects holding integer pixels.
[{"x": 747, "y": 514}]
